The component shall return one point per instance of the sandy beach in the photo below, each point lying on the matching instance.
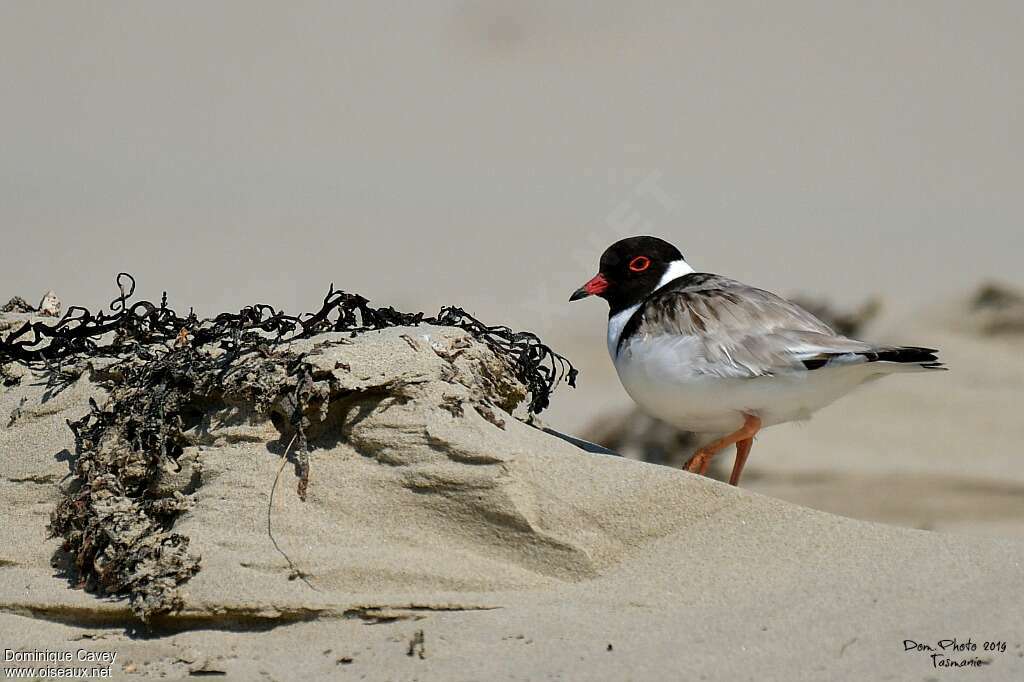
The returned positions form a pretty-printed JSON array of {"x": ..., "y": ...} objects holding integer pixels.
[{"x": 456, "y": 544}]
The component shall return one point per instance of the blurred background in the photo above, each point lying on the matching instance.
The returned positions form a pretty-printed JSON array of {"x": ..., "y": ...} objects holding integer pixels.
[{"x": 484, "y": 153}]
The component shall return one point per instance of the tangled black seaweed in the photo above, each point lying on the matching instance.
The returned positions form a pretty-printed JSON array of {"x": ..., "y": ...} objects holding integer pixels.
[
  {"x": 117, "y": 514},
  {"x": 139, "y": 325}
]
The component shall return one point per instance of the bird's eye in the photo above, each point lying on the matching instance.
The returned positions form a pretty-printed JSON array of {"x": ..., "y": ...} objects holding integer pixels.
[{"x": 639, "y": 264}]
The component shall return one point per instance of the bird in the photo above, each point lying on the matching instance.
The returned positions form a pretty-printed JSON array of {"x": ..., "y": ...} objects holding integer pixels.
[{"x": 723, "y": 359}]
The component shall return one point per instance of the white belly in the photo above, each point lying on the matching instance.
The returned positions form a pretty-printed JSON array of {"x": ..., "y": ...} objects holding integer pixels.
[{"x": 677, "y": 389}]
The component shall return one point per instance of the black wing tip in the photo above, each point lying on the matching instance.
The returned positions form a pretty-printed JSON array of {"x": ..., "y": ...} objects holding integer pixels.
[
  {"x": 926, "y": 357},
  {"x": 904, "y": 355}
]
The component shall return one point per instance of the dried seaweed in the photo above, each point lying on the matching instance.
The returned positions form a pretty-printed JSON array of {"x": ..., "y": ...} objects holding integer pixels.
[
  {"x": 17, "y": 305},
  {"x": 997, "y": 310},
  {"x": 166, "y": 373},
  {"x": 134, "y": 326}
]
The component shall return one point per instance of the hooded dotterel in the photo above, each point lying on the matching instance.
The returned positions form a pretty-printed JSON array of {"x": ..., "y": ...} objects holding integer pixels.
[{"x": 723, "y": 359}]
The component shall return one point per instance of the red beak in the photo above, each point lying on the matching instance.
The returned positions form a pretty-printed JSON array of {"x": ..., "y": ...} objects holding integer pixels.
[{"x": 597, "y": 284}]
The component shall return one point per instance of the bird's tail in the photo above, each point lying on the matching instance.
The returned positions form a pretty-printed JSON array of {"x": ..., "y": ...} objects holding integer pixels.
[{"x": 904, "y": 358}]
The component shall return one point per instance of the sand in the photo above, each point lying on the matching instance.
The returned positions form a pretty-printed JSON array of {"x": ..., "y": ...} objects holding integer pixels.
[{"x": 439, "y": 545}]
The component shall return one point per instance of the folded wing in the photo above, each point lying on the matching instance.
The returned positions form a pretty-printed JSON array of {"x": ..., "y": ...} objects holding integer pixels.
[{"x": 731, "y": 329}]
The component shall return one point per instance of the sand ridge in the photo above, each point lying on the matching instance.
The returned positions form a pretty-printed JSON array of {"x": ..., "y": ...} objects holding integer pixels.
[{"x": 515, "y": 554}]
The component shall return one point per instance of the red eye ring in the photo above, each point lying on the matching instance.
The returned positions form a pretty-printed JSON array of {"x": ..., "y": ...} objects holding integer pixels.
[{"x": 639, "y": 264}]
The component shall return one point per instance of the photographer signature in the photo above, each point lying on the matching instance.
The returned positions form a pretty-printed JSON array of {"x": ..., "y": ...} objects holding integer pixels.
[{"x": 953, "y": 653}]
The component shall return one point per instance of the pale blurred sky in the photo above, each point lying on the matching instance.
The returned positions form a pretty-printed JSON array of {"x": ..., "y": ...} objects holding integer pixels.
[{"x": 484, "y": 153}]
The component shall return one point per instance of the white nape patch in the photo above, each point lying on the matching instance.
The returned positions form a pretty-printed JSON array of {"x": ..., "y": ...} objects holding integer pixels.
[
  {"x": 616, "y": 322},
  {"x": 676, "y": 269}
]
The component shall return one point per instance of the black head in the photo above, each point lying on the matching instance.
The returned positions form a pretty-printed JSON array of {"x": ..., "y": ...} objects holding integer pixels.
[{"x": 630, "y": 270}]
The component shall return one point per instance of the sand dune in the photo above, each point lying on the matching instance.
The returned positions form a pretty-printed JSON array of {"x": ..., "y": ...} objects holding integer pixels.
[{"x": 516, "y": 555}]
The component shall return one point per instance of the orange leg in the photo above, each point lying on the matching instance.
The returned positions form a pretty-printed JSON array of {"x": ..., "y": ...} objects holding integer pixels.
[
  {"x": 742, "y": 450},
  {"x": 702, "y": 458}
]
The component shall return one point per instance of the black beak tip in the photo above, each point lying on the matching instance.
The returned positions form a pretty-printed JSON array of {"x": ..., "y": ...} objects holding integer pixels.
[{"x": 578, "y": 294}]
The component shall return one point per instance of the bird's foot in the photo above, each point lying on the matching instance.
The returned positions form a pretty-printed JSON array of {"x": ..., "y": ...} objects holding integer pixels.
[{"x": 700, "y": 462}]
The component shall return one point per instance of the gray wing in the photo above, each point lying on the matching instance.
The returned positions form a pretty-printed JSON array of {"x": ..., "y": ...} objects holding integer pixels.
[{"x": 731, "y": 329}]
